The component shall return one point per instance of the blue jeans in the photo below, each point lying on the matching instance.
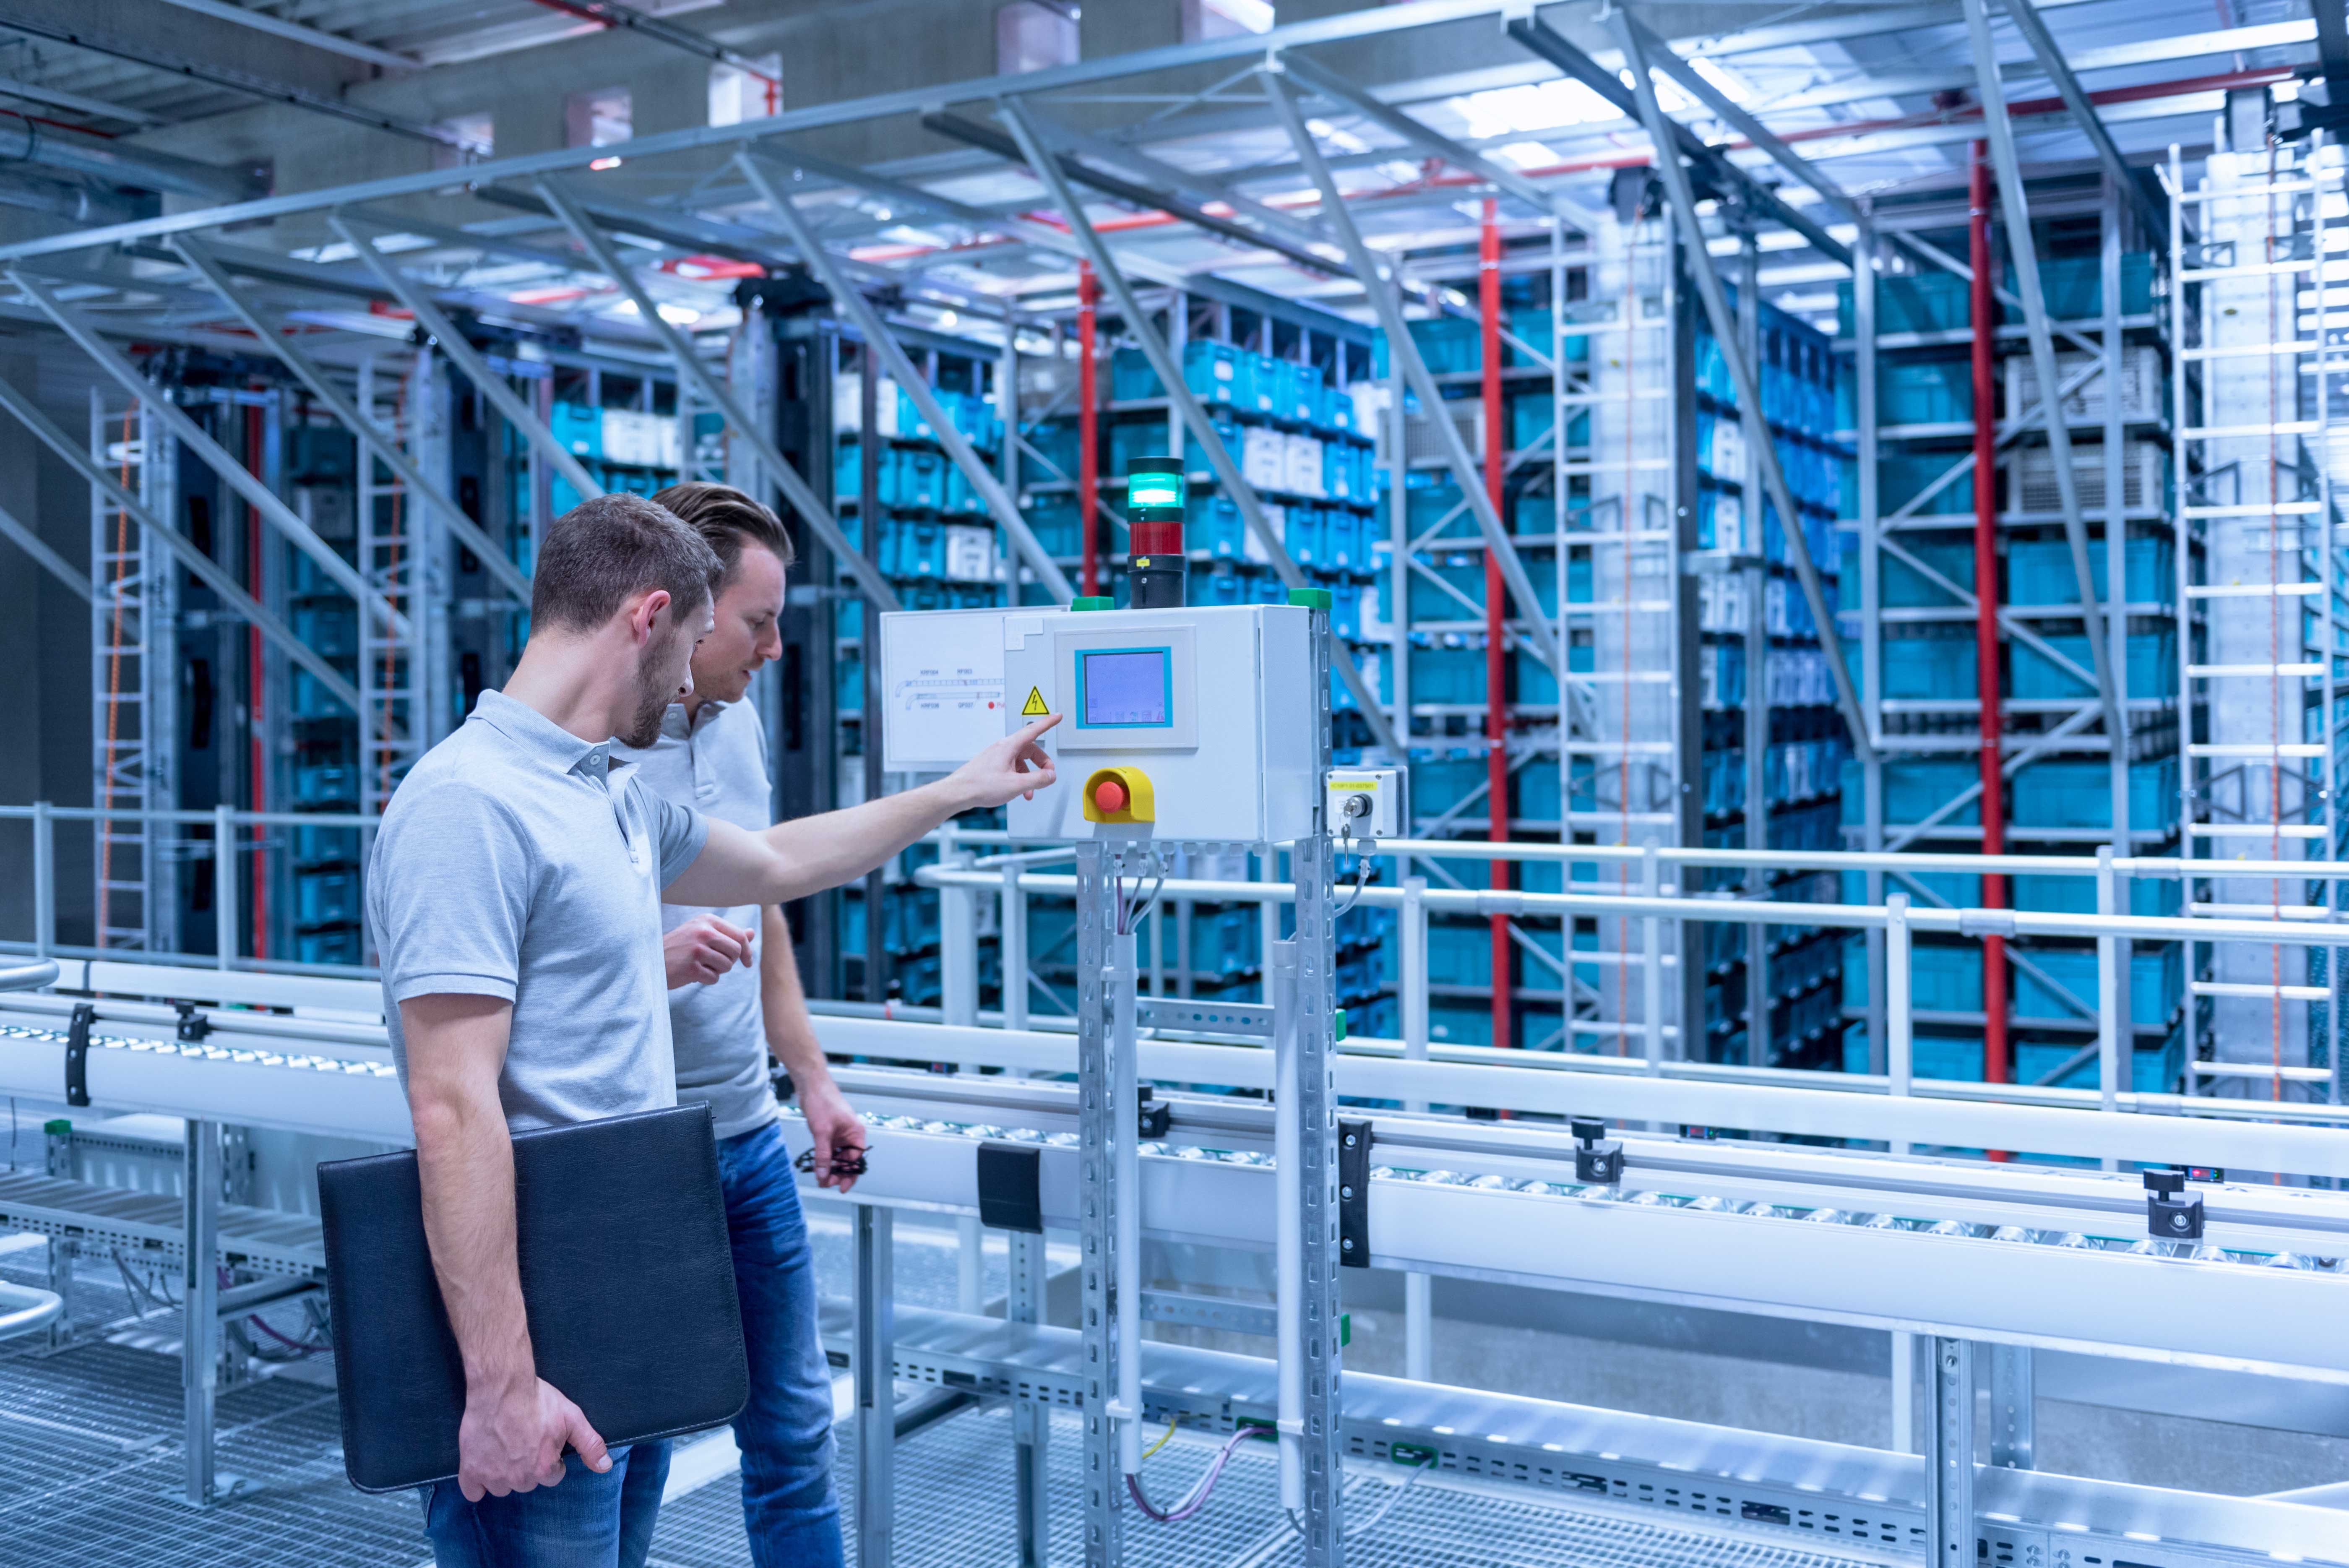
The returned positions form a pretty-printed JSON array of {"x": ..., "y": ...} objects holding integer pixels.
[
  {"x": 587, "y": 1520},
  {"x": 788, "y": 1508}
]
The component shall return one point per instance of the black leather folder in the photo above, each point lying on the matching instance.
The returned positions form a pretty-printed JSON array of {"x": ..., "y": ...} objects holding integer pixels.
[{"x": 627, "y": 1277}]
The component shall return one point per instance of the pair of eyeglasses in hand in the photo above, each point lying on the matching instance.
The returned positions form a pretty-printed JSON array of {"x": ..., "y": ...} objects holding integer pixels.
[{"x": 844, "y": 1162}]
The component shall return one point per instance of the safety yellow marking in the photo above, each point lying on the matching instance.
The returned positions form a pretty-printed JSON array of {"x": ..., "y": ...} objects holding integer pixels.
[{"x": 1034, "y": 707}]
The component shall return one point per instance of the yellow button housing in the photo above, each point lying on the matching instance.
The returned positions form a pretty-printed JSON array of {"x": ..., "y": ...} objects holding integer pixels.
[{"x": 1139, "y": 805}]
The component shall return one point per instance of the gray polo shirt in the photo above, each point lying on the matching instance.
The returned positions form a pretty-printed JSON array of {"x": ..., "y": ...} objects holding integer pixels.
[
  {"x": 716, "y": 765},
  {"x": 517, "y": 860}
]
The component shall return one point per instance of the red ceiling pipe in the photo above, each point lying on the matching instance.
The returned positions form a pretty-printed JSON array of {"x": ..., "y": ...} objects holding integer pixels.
[
  {"x": 1497, "y": 599},
  {"x": 1985, "y": 317},
  {"x": 1088, "y": 428}
]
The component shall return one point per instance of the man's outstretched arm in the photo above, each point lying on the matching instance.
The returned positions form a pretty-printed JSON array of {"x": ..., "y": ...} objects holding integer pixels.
[
  {"x": 793, "y": 859},
  {"x": 516, "y": 1425}
]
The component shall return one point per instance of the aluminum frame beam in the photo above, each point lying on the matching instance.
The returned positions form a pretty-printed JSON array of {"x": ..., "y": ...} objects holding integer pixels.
[
  {"x": 1330, "y": 85},
  {"x": 233, "y": 473},
  {"x": 1758, "y": 441},
  {"x": 232, "y": 594},
  {"x": 300, "y": 33},
  {"x": 2025, "y": 253},
  {"x": 720, "y": 396},
  {"x": 468, "y": 358},
  {"x": 2027, "y": 21},
  {"x": 312, "y": 375},
  {"x": 1185, "y": 405},
  {"x": 1385, "y": 298},
  {"x": 1141, "y": 197},
  {"x": 1536, "y": 38},
  {"x": 982, "y": 479}
]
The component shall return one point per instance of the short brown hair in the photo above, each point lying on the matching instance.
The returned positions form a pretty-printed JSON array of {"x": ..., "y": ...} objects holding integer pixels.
[
  {"x": 727, "y": 519},
  {"x": 601, "y": 551}
]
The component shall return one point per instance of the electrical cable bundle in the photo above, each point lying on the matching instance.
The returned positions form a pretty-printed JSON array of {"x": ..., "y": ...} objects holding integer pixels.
[{"x": 1196, "y": 1498}]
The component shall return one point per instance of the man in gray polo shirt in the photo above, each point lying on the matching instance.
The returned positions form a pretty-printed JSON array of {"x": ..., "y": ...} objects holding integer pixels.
[
  {"x": 736, "y": 998},
  {"x": 513, "y": 896}
]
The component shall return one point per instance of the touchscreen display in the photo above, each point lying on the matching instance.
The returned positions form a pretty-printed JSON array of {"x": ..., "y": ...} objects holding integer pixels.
[{"x": 1126, "y": 688}]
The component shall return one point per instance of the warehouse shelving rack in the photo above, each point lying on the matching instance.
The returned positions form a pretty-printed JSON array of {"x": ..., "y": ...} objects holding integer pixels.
[{"x": 2068, "y": 785}]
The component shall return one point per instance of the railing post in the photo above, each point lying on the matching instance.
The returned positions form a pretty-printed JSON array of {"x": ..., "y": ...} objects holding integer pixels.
[
  {"x": 1898, "y": 1060},
  {"x": 873, "y": 1363},
  {"x": 199, "y": 1335},
  {"x": 1411, "y": 987},
  {"x": 1015, "y": 950},
  {"x": 45, "y": 880},
  {"x": 1651, "y": 985},
  {"x": 225, "y": 915},
  {"x": 2112, "y": 983}
]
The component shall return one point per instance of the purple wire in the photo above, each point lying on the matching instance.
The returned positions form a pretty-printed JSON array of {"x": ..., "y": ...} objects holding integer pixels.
[{"x": 1190, "y": 1506}]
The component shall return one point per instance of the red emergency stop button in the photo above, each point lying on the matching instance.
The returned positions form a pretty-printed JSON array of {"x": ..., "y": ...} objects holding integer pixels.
[
  {"x": 1109, "y": 795},
  {"x": 1118, "y": 795}
]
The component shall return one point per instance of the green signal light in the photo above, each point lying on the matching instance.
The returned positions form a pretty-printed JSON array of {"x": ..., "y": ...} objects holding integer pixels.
[{"x": 1159, "y": 489}]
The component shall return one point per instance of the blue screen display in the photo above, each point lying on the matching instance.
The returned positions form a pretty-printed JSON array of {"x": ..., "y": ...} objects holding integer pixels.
[{"x": 1126, "y": 688}]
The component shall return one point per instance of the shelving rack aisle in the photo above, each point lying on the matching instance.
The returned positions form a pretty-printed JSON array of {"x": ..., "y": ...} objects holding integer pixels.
[
  {"x": 134, "y": 684},
  {"x": 2254, "y": 449},
  {"x": 2068, "y": 786}
]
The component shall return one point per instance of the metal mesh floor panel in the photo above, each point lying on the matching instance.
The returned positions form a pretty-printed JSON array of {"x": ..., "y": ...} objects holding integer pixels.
[{"x": 955, "y": 1509}]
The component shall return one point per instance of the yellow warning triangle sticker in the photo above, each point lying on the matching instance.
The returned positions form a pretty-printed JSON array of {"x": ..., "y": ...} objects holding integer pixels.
[{"x": 1034, "y": 707}]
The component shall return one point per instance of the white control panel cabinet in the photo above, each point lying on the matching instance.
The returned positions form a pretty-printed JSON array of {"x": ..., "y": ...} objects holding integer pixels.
[{"x": 1192, "y": 726}]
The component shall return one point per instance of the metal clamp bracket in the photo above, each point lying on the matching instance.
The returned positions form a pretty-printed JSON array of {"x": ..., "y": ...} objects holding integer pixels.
[
  {"x": 78, "y": 1054},
  {"x": 194, "y": 1024},
  {"x": 1354, "y": 1195}
]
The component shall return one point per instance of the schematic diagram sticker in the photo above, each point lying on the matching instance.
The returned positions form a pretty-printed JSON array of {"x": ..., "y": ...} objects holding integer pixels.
[
  {"x": 942, "y": 687},
  {"x": 1034, "y": 708}
]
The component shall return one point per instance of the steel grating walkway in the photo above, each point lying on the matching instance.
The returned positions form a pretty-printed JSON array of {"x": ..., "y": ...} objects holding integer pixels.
[{"x": 90, "y": 1475}]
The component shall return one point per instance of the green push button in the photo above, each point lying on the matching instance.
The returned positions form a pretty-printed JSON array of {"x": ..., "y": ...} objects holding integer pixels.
[
  {"x": 1310, "y": 598},
  {"x": 1093, "y": 602},
  {"x": 1341, "y": 1013}
]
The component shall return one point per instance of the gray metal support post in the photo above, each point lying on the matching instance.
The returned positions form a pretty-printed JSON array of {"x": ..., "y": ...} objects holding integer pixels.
[
  {"x": 1871, "y": 634},
  {"x": 58, "y": 1161},
  {"x": 1899, "y": 1057},
  {"x": 1312, "y": 863},
  {"x": 45, "y": 880},
  {"x": 2013, "y": 1407},
  {"x": 466, "y": 357},
  {"x": 1032, "y": 1418},
  {"x": 1097, "y": 1127},
  {"x": 1756, "y": 583},
  {"x": 714, "y": 390},
  {"x": 874, "y": 1364},
  {"x": 1652, "y": 966},
  {"x": 226, "y": 917},
  {"x": 235, "y": 475},
  {"x": 1949, "y": 1455},
  {"x": 1749, "y": 388},
  {"x": 233, "y": 597},
  {"x": 1403, "y": 350},
  {"x": 2025, "y": 251},
  {"x": 200, "y": 1307},
  {"x": 2112, "y": 990},
  {"x": 1013, "y": 927},
  {"x": 1186, "y": 407},
  {"x": 371, "y": 436},
  {"x": 878, "y": 337}
]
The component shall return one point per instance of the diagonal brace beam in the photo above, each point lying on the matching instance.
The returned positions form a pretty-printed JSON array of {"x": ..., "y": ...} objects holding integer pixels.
[
  {"x": 2025, "y": 251},
  {"x": 1538, "y": 38},
  {"x": 2024, "y": 15},
  {"x": 1186, "y": 405},
  {"x": 233, "y": 473},
  {"x": 46, "y": 558},
  {"x": 715, "y": 391},
  {"x": 453, "y": 343},
  {"x": 878, "y": 336},
  {"x": 1405, "y": 349},
  {"x": 1330, "y": 85},
  {"x": 208, "y": 571},
  {"x": 1758, "y": 440},
  {"x": 371, "y": 435}
]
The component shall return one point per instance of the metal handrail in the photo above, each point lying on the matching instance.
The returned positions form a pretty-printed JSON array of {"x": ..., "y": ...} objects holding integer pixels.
[
  {"x": 28, "y": 976},
  {"x": 26, "y": 1310}
]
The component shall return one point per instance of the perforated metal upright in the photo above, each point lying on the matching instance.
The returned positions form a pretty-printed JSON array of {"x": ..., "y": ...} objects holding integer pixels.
[{"x": 1105, "y": 1527}]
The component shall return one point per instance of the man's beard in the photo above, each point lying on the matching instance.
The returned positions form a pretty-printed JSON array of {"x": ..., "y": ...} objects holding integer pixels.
[{"x": 654, "y": 694}]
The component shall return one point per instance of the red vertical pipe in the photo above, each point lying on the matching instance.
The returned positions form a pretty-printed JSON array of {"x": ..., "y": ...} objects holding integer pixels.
[
  {"x": 1497, "y": 599},
  {"x": 1984, "y": 316},
  {"x": 255, "y": 715},
  {"x": 1088, "y": 428}
]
